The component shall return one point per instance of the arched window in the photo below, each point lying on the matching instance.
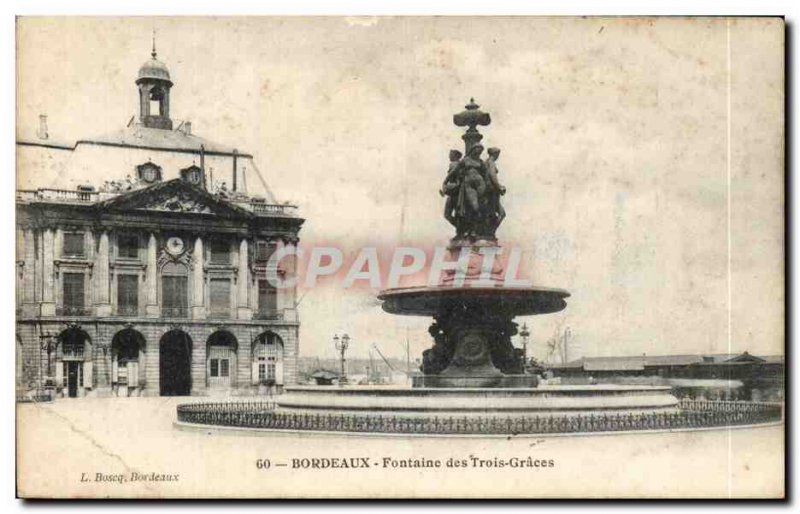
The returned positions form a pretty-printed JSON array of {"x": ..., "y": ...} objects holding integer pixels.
[
  {"x": 74, "y": 369},
  {"x": 268, "y": 359},
  {"x": 127, "y": 361},
  {"x": 221, "y": 359}
]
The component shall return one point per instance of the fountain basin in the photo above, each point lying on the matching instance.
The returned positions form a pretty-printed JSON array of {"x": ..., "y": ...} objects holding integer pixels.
[
  {"x": 471, "y": 402},
  {"x": 514, "y": 301}
]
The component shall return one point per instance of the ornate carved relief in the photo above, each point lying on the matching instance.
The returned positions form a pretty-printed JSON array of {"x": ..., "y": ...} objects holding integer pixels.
[{"x": 179, "y": 201}]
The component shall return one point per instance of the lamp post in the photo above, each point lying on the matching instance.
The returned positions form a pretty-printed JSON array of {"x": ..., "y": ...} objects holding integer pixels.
[
  {"x": 48, "y": 343},
  {"x": 341, "y": 346},
  {"x": 524, "y": 334}
]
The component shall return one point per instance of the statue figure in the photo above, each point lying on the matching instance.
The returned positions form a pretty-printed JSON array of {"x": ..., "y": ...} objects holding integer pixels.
[
  {"x": 473, "y": 188},
  {"x": 451, "y": 187},
  {"x": 494, "y": 209}
]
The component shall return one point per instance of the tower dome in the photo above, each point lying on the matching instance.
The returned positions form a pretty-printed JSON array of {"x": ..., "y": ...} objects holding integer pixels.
[
  {"x": 153, "y": 69},
  {"x": 154, "y": 85}
]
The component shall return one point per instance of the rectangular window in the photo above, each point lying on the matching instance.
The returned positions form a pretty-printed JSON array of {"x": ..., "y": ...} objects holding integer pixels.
[
  {"x": 128, "y": 295},
  {"x": 220, "y": 252},
  {"x": 264, "y": 251},
  {"x": 267, "y": 300},
  {"x": 73, "y": 291},
  {"x": 73, "y": 244},
  {"x": 175, "y": 298},
  {"x": 220, "y": 296},
  {"x": 214, "y": 364},
  {"x": 262, "y": 369},
  {"x": 128, "y": 246},
  {"x": 224, "y": 367}
]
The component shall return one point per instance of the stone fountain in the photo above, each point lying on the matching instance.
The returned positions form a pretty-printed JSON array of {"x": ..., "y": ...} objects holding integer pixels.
[
  {"x": 473, "y": 370},
  {"x": 473, "y": 313}
]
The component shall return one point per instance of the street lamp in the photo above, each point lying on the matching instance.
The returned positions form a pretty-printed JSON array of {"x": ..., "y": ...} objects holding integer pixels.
[
  {"x": 341, "y": 346},
  {"x": 47, "y": 342},
  {"x": 524, "y": 334}
]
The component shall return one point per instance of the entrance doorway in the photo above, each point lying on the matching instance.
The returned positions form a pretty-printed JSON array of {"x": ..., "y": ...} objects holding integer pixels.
[
  {"x": 73, "y": 377},
  {"x": 221, "y": 363},
  {"x": 175, "y": 364},
  {"x": 73, "y": 369}
]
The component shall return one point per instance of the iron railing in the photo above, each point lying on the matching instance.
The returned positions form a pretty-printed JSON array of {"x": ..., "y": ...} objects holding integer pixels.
[
  {"x": 73, "y": 310},
  {"x": 692, "y": 414},
  {"x": 174, "y": 312},
  {"x": 127, "y": 310}
]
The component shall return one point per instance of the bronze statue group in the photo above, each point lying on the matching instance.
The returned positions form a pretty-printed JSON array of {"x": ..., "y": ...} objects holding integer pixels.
[{"x": 473, "y": 193}]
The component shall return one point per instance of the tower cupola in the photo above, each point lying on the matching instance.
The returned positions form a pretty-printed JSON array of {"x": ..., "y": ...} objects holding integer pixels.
[{"x": 154, "y": 85}]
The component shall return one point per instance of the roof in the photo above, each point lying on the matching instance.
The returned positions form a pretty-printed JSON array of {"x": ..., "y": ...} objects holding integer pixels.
[
  {"x": 154, "y": 69},
  {"x": 639, "y": 362},
  {"x": 139, "y": 136},
  {"x": 325, "y": 374}
]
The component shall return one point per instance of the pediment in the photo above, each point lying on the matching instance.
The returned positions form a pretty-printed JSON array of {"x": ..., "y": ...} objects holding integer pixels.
[
  {"x": 175, "y": 196},
  {"x": 746, "y": 357}
]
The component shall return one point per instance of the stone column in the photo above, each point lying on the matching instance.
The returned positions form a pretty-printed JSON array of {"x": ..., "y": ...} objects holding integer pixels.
[
  {"x": 287, "y": 297},
  {"x": 28, "y": 274},
  {"x": 243, "y": 310},
  {"x": 101, "y": 277},
  {"x": 151, "y": 279},
  {"x": 198, "y": 289},
  {"x": 48, "y": 274}
]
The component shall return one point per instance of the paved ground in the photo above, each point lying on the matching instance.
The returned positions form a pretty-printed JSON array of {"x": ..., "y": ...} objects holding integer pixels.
[{"x": 63, "y": 443}]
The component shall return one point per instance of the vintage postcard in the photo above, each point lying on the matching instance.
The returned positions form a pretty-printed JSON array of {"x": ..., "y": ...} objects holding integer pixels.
[{"x": 400, "y": 257}]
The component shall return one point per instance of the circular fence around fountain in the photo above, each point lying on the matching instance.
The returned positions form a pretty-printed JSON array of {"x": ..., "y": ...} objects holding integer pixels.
[{"x": 693, "y": 414}]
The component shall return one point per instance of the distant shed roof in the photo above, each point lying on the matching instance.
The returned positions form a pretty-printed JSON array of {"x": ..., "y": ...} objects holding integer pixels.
[{"x": 640, "y": 362}]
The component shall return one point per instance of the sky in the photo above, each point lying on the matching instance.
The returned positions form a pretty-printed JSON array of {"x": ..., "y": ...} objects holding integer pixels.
[{"x": 643, "y": 158}]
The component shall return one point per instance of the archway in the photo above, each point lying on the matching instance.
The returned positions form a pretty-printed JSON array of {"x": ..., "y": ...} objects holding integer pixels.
[
  {"x": 267, "y": 360},
  {"x": 73, "y": 371},
  {"x": 175, "y": 364},
  {"x": 127, "y": 362},
  {"x": 221, "y": 360}
]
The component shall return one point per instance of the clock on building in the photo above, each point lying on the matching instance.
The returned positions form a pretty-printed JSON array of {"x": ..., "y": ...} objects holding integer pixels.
[{"x": 175, "y": 246}]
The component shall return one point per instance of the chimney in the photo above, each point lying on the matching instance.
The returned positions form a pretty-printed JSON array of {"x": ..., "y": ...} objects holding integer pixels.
[
  {"x": 187, "y": 128},
  {"x": 42, "y": 133},
  {"x": 203, "y": 164},
  {"x": 235, "y": 155}
]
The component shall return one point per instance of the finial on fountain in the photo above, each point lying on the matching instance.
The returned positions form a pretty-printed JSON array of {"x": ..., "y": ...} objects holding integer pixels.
[
  {"x": 472, "y": 187},
  {"x": 471, "y": 117}
]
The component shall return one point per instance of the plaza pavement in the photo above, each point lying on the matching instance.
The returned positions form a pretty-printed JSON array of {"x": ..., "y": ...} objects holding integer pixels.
[{"x": 62, "y": 446}]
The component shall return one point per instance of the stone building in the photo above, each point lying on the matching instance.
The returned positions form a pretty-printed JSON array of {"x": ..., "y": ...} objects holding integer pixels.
[{"x": 154, "y": 283}]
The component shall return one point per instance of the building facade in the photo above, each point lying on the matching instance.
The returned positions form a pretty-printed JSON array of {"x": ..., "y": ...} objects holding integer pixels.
[{"x": 158, "y": 283}]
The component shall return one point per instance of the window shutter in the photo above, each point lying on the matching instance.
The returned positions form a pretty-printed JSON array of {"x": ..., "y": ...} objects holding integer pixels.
[
  {"x": 220, "y": 296},
  {"x": 254, "y": 370},
  {"x": 141, "y": 365},
  {"x": 114, "y": 370},
  {"x": 128, "y": 294},
  {"x": 87, "y": 374},
  {"x": 59, "y": 374},
  {"x": 133, "y": 374},
  {"x": 279, "y": 371},
  {"x": 73, "y": 290}
]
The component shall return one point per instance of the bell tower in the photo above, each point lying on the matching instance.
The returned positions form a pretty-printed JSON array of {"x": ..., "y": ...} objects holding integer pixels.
[{"x": 154, "y": 85}]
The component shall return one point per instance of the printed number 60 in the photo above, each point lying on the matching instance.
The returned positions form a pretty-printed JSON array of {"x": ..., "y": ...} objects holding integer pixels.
[{"x": 262, "y": 464}]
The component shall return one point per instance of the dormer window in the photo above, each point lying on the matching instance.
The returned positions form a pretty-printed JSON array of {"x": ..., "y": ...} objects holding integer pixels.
[
  {"x": 148, "y": 172},
  {"x": 193, "y": 175}
]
